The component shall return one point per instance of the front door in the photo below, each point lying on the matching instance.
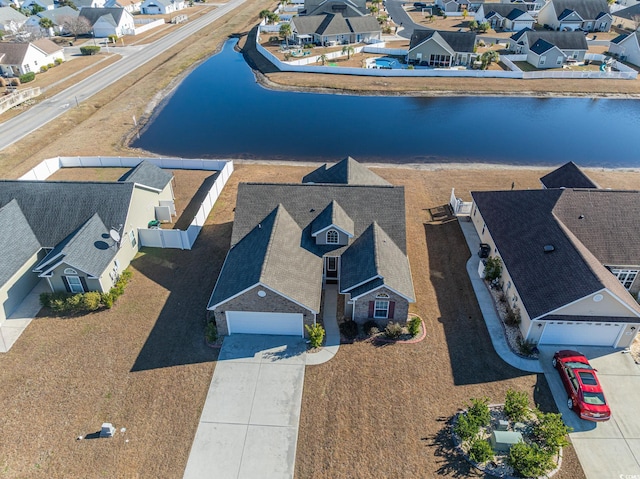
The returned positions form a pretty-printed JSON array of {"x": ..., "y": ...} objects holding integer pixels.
[{"x": 331, "y": 269}]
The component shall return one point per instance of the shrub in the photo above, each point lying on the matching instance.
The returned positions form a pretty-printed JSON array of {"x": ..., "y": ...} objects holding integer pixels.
[
  {"x": 414, "y": 326},
  {"x": 89, "y": 50},
  {"x": 393, "y": 330},
  {"x": 349, "y": 329},
  {"x": 15, "y": 82},
  {"x": 516, "y": 405},
  {"x": 530, "y": 460},
  {"x": 550, "y": 432},
  {"x": 211, "y": 332},
  {"x": 316, "y": 334},
  {"x": 107, "y": 300},
  {"x": 113, "y": 38},
  {"x": 466, "y": 428},
  {"x": 492, "y": 268},
  {"x": 478, "y": 411},
  {"x": 526, "y": 347},
  {"x": 43, "y": 68},
  {"x": 370, "y": 327},
  {"x": 513, "y": 316},
  {"x": 90, "y": 301},
  {"x": 58, "y": 61},
  {"x": 27, "y": 77},
  {"x": 51, "y": 65},
  {"x": 274, "y": 39},
  {"x": 480, "y": 451}
]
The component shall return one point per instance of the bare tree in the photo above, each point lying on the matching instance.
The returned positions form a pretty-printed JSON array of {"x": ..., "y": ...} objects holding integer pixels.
[{"x": 75, "y": 25}]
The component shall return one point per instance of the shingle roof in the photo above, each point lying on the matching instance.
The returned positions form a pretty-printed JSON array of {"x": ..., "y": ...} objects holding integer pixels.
[
  {"x": 8, "y": 14},
  {"x": 587, "y": 9},
  {"x": 376, "y": 260},
  {"x": 562, "y": 40},
  {"x": 271, "y": 254},
  {"x": 58, "y": 15},
  {"x": 12, "y": 53},
  {"x": 505, "y": 10},
  {"x": 629, "y": 13},
  {"x": 458, "y": 41},
  {"x": 334, "y": 24},
  {"x": 334, "y": 215},
  {"x": 93, "y": 14},
  {"x": 624, "y": 36},
  {"x": 345, "y": 7},
  {"x": 148, "y": 174},
  {"x": 541, "y": 46},
  {"x": 17, "y": 241},
  {"x": 546, "y": 281},
  {"x": 568, "y": 175},
  {"x": 347, "y": 172},
  {"x": 47, "y": 46}
]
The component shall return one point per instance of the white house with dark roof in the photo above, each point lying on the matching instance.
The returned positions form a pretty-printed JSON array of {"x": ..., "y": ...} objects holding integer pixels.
[
  {"x": 627, "y": 47},
  {"x": 587, "y": 15},
  {"x": 109, "y": 21},
  {"x": 161, "y": 7},
  {"x": 333, "y": 28},
  {"x": 510, "y": 17},
  {"x": 441, "y": 49},
  {"x": 570, "y": 264},
  {"x": 342, "y": 225},
  {"x": 19, "y": 58},
  {"x": 60, "y": 232},
  {"x": 547, "y": 49},
  {"x": 346, "y": 8}
]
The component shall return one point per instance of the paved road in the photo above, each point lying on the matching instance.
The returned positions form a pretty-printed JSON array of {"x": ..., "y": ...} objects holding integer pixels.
[
  {"x": 400, "y": 16},
  {"x": 42, "y": 113}
]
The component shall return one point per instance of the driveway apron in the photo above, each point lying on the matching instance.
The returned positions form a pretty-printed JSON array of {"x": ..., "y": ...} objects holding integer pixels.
[{"x": 249, "y": 423}]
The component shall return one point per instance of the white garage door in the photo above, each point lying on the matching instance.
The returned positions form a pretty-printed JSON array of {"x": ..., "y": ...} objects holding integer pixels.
[
  {"x": 244, "y": 322},
  {"x": 587, "y": 334}
]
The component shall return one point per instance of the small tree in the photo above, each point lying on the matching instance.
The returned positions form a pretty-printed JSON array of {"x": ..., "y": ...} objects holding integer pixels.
[
  {"x": 67, "y": 3},
  {"x": 478, "y": 411},
  {"x": 264, "y": 14},
  {"x": 473, "y": 25},
  {"x": 516, "y": 405},
  {"x": 273, "y": 18},
  {"x": 75, "y": 25},
  {"x": 285, "y": 32},
  {"x": 530, "y": 460},
  {"x": 488, "y": 57},
  {"x": 374, "y": 9},
  {"x": 551, "y": 432},
  {"x": 323, "y": 59},
  {"x": 348, "y": 49},
  {"x": 46, "y": 23},
  {"x": 465, "y": 428},
  {"x": 480, "y": 451},
  {"x": 492, "y": 268},
  {"x": 316, "y": 334},
  {"x": 483, "y": 27}
]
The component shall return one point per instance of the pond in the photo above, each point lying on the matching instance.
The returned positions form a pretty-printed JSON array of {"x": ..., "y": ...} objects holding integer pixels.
[{"x": 220, "y": 111}]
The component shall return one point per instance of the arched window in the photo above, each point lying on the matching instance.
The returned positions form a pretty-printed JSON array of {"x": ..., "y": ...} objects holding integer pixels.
[
  {"x": 70, "y": 271},
  {"x": 382, "y": 296},
  {"x": 332, "y": 237}
]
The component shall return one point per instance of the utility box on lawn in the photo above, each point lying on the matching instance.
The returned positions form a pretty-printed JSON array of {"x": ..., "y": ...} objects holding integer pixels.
[{"x": 501, "y": 441}]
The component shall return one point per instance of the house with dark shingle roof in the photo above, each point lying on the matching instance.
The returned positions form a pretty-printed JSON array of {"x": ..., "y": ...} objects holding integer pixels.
[
  {"x": 627, "y": 47},
  {"x": 109, "y": 21},
  {"x": 570, "y": 15},
  {"x": 61, "y": 232},
  {"x": 627, "y": 18},
  {"x": 570, "y": 256},
  {"x": 58, "y": 16},
  {"x": 19, "y": 58},
  {"x": 510, "y": 17},
  {"x": 548, "y": 49},
  {"x": 441, "y": 49},
  {"x": 346, "y": 8},
  {"x": 333, "y": 28},
  {"x": 342, "y": 225},
  {"x": 568, "y": 175}
]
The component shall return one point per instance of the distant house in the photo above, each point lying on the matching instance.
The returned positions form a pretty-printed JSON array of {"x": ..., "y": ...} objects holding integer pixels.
[
  {"x": 532, "y": 6},
  {"x": 452, "y": 6},
  {"x": 60, "y": 232},
  {"x": 161, "y": 7},
  {"x": 570, "y": 264},
  {"x": 568, "y": 175},
  {"x": 131, "y": 6},
  {"x": 334, "y": 29},
  {"x": 109, "y": 21},
  {"x": 627, "y": 47},
  {"x": 343, "y": 226},
  {"x": 346, "y": 8},
  {"x": 505, "y": 16},
  {"x": 11, "y": 20},
  {"x": 46, "y": 4},
  {"x": 441, "y": 49},
  {"x": 547, "y": 49},
  {"x": 628, "y": 18},
  {"x": 566, "y": 15},
  {"x": 8, "y": 3},
  {"x": 57, "y": 16},
  {"x": 89, "y": 3},
  {"x": 19, "y": 58}
]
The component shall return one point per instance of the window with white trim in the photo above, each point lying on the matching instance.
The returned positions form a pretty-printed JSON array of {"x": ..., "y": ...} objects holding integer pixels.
[
  {"x": 625, "y": 276},
  {"x": 381, "y": 309},
  {"x": 70, "y": 271},
  {"x": 542, "y": 60},
  {"x": 132, "y": 238},
  {"x": 332, "y": 237},
  {"x": 75, "y": 285}
]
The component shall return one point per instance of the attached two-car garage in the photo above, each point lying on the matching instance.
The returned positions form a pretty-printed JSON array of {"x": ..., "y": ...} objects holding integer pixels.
[
  {"x": 582, "y": 333},
  {"x": 248, "y": 322}
]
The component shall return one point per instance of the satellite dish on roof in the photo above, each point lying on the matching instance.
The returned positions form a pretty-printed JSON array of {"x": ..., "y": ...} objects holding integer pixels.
[{"x": 115, "y": 236}]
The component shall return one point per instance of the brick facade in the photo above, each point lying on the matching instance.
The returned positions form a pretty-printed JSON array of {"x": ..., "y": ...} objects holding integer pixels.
[
  {"x": 250, "y": 301},
  {"x": 361, "y": 307}
]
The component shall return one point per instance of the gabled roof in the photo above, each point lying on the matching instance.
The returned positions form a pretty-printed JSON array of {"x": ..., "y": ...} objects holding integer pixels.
[
  {"x": 57, "y": 15},
  {"x": 334, "y": 24},
  {"x": 374, "y": 260},
  {"x": 629, "y": 13},
  {"x": 148, "y": 174},
  {"x": 568, "y": 175},
  {"x": 541, "y": 46},
  {"x": 505, "y": 10},
  {"x": 332, "y": 215},
  {"x": 93, "y": 14},
  {"x": 271, "y": 255},
  {"x": 620, "y": 38},
  {"x": 45, "y": 3},
  {"x": 345, "y": 7},
  {"x": 587, "y": 9},
  {"x": 562, "y": 40},
  {"x": 574, "y": 269},
  {"x": 457, "y": 41},
  {"x": 14, "y": 53},
  {"x": 17, "y": 241},
  {"x": 8, "y": 14},
  {"x": 47, "y": 46},
  {"x": 347, "y": 172},
  {"x": 516, "y": 36}
]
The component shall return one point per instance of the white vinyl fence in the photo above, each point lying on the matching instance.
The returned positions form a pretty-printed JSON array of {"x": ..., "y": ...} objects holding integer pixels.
[
  {"x": 17, "y": 97},
  {"x": 143, "y": 26},
  {"x": 157, "y": 238}
]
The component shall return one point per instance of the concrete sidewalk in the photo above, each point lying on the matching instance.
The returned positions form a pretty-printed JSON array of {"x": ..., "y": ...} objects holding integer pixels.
[
  {"x": 485, "y": 301},
  {"x": 332, "y": 332}
]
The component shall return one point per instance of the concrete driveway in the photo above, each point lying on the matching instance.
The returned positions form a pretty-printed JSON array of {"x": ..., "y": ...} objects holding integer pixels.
[
  {"x": 249, "y": 423},
  {"x": 608, "y": 450}
]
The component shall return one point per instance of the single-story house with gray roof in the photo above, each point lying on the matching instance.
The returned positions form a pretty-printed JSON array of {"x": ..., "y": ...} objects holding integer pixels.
[
  {"x": 11, "y": 20},
  {"x": 570, "y": 15},
  {"x": 548, "y": 49},
  {"x": 570, "y": 265},
  {"x": 19, "y": 58},
  {"x": 347, "y": 8},
  {"x": 441, "y": 49},
  {"x": 332, "y": 28},
  {"x": 161, "y": 7},
  {"x": 77, "y": 236},
  {"x": 510, "y": 17},
  {"x": 290, "y": 240},
  {"x": 627, "y": 47},
  {"x": 109, "y": 21},
  {"x": 58, "y": 16}
]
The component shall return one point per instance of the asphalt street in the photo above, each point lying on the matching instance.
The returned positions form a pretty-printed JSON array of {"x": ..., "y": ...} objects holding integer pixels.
[{"x": 401, "y": 17}]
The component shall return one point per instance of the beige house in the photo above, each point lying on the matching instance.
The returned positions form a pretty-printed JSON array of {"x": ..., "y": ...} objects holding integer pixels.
[
  {"x": 570, "y": 266},
  {"x": 441, "y": 49}
]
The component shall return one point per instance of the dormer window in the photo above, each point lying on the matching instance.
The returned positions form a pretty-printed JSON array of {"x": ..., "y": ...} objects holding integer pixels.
[{"x": 332, "y": 237}]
